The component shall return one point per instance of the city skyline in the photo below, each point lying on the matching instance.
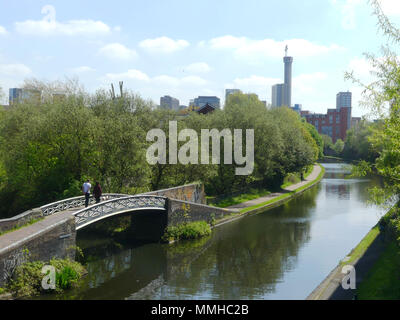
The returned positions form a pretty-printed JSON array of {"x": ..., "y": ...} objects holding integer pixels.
[{"x": 104, "y": 45}]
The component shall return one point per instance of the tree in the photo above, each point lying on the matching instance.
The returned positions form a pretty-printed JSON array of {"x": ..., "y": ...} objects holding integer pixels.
[
  {"x": 68, "y": 87},
  {"x": 316, "y": 136},
  {"x": 358, "y": 144},
  {"x": 338, "y": 146},
  {"x": 1, "y": 95},
  {"x": 383, "y": 99}
]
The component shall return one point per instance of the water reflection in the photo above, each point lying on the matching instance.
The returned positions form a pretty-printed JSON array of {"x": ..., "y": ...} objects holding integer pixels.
[{"x": 282, "y": 253}]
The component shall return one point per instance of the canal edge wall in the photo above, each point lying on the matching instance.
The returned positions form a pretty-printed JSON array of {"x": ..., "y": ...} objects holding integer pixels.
[
  {"x": 273, "y": 204},
  {"x": 330, "y": 288},
  {"x": 56, "y": 240}
]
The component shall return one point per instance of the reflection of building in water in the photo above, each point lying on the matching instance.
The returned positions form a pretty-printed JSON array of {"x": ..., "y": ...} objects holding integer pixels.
[{"x": 341, "y": 190}]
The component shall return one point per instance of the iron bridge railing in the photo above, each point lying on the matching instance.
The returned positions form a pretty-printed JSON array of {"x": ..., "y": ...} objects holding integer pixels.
[
  {"x": 76, "y": 202},
  {"x": 111, "y": 207}
]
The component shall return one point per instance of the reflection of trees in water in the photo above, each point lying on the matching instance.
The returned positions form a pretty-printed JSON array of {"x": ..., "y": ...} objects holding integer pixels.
[
  {"x": 243, "y": 259},
  {"x": 115, "y": 272},
  {"x": 339, "y": 189},
  {"x": 362, "y": 191},
  {"x": 248, "y": 257}
]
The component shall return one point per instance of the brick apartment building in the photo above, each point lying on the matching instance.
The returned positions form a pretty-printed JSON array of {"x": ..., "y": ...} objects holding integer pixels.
[{"x": 336, "y": 122}]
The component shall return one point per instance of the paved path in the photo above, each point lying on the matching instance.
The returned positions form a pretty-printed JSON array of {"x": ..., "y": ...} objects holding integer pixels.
[
  {"x": 313, "y": 175},
  {"x": 14, "y": 238}
]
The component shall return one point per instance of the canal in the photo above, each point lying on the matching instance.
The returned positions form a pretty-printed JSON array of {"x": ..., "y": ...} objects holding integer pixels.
[{"x": 283, "y": 253}]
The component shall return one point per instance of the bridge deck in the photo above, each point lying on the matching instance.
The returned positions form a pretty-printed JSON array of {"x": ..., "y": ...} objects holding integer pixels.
[{"x": 14, "y": 238}]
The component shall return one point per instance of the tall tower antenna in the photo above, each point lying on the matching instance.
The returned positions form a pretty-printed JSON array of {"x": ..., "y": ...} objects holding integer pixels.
[{"x": 287, "y": 100}]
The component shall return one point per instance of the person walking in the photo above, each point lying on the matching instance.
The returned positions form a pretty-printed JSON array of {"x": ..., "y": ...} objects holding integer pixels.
[
  {"x": 97, "y": 192},
  {"x": 86, "y": 191}
]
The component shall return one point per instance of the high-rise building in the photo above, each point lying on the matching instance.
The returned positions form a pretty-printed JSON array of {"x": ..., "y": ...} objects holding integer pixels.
[
  {"x": 287, "y": 97},
  {"x": 343, "y": 99},
  {"x": 203, "y": 100},
  {"x": 297, "y": 107},
  {"x": 230, "y": 91},
  {"x": 278, "y": 95},
  {"x": 14, "y": 95},
  {"x": 20, "y": 95},
  {"x": 337, "y": 121},
  {"x": 282, "y": 93},
  {"x": 168, "y": 102}
]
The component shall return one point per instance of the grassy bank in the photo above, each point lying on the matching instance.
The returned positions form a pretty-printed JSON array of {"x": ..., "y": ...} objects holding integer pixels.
[
  {"x": 243, "y": 197},
  {"x": 286, "y": 195},
  {"x": 364, "y": 244},
  {"x": 255, "y": 193},
  {"x": 382, "y": 281}
]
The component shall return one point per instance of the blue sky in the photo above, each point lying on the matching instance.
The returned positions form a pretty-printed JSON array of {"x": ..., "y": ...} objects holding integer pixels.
[{"x": 191, "y": 48}]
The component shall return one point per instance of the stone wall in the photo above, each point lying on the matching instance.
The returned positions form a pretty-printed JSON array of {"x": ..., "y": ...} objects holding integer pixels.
[
  {"x": 192, "y": 192},
  {"x": 19, "y": 220},
  {"x": 55, "y": 241},
  {"x": 184, "y": 211}
]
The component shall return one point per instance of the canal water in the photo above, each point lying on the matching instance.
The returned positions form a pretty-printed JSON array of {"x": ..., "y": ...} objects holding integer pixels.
[{"x": 282, "y": 253}]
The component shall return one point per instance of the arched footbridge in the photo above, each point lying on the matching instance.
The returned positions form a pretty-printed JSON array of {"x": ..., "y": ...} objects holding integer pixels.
[
  {"x": 55, "y": 233},
  {"x": 110, "y": 205}
]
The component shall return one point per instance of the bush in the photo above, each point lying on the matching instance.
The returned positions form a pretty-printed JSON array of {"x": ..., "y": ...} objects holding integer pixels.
[
  {"x": 66, "y": 278},
  {"x": 192, "y": 230},
  {"x": 27, "y": 278}
]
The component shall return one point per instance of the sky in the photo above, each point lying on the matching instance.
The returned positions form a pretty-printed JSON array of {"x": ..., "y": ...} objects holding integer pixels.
[{"x": 189, "y": 48}]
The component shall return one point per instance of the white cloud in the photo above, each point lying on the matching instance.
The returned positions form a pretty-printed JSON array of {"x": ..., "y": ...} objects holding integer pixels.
[
  {"x": 50, "y": 26},
  {"x": 255, "y": 82},
  {"x": 193, "y": 81},
  {"x": 348, "y": 10},
  {"x": 253, "y": 51},
  {"x": 160, "y": 80},
  {"x": 15, "y": 70},
  {"x": 118, "y": 51},
  {"x": 82, "y": 69},
  {"x": 198, "y": 67},
  {"x": 390, "y": 7},
  {"x": 3, "y": 30},
  {"x": 163, "y": 45},
  {"x": 348, "y": 13},
  {"x": 132, "y": 74},
  {"x": 308, "y": 83},
  {"x": 165, "y": 80},
  {"x": 360, "y": 66}
]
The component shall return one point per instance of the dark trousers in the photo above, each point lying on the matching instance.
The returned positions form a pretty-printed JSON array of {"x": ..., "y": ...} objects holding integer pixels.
[
  {"x": 87, "y": 196},
  {"x": 97, "y": 199}
]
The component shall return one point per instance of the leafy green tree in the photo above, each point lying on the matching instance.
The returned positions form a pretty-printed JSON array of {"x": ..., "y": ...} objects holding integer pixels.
[
  {"x": 316, "y": 136},
  {"x": 328, "y": 144},
  {"x": 358, "y": 144},
  {"x": 383, "y": 99},
  {"x": 338, "y": 147}
]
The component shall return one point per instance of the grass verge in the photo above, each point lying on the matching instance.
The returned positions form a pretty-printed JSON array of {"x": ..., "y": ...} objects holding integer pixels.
[
  {"x": 364, "y": 244},
  {"x": 255, "y": 193},
  {"x": 382, "y": 281},
  {"x": 232, "y": 200},
  {"x": 30, "y": 222},
  {"x": 286, "y": 195}
]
